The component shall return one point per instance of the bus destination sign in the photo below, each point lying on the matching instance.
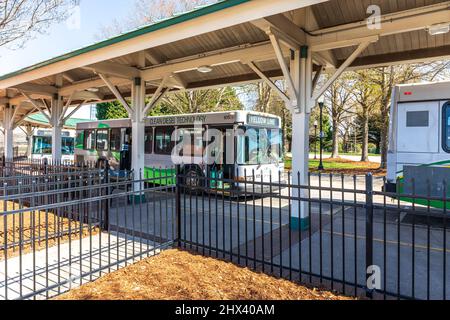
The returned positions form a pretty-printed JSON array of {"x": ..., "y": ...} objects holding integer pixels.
[
  {"x": 262, "y": 121},
  {"x": 182, "y": 120}
]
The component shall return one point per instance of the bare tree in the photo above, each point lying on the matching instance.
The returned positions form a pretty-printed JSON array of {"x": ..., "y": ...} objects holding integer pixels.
[
  {"x": 260, "y": 97},
  {"x": 199, "y": 101},
  {"x": 146, "y": 12},
  {"x": 367, "y": 97},
  {"x": 21, "y": 20},
  {"x": 339, "y": 107}
]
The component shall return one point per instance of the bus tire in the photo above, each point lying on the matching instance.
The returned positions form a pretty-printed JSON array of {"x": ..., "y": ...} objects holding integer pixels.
[
  {"x": 101, "y": 163},
  {"x": 193, "y": 179}
]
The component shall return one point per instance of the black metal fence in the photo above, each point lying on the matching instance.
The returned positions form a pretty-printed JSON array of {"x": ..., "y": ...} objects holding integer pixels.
[
  {"x": 359, "y": 240},
  {"x": 63, "y": 229}
]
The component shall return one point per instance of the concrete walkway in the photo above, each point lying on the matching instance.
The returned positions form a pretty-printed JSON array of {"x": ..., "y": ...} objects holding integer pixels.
[{"x": 69, "y": 266}]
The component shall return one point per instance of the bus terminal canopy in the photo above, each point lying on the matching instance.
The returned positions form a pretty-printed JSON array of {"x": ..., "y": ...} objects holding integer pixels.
[
  {"x": 38, "y": 120},
  {"x": 229, "y": 43}
]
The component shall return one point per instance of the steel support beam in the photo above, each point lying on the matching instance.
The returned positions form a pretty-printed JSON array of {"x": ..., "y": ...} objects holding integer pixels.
[
  {"x": 271, "y": 84},
  {"x": 284, "y": 68},
  {"x": 57, "y": 109},
  {"x": 8, "y": 121},
  {"x": 115, "y": 69},
  {"x": 73, "y": 112},
  {"x": 37, "y": 105},
  {"x": 399, "y": 22},
  {"x": 300, "y": 137},
  {"x": 138, "y": 131},
  {"x": 66, "y": 107},
  {"x": 116, "y": 93},
  {"x": 342, "y": 68},
  {"x": 162, "y": 89}
]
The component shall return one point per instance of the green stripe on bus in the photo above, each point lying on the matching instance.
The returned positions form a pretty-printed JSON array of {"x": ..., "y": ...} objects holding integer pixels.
[
  {"x": 437, "y": 204},
  {"x": 162, "y": 177}
]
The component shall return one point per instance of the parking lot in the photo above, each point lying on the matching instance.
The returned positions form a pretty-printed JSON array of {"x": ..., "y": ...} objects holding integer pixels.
[{"x": 410, "y": 250}]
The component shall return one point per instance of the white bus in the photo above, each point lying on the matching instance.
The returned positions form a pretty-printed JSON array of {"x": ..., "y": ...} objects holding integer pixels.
[
  {"x": 111, "y": 140},
  {"x": 41, "y": 147},
  {"x": 419, "y": 141}
]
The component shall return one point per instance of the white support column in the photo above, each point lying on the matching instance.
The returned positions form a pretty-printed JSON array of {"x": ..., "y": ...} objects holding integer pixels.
[
  {"x": 301, "y": 72},
  {"x": 56, "y": 109},
  {"x": 29, "y": 132},
  {"x": 8, "y": 124},
  {"x": 138, "y": 129}
]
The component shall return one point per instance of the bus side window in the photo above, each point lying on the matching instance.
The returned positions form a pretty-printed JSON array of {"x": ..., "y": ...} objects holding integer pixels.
[
  {"x": 163, "y": 141},
  {"x": 102, "y": 140},
  {"x": 148, "y": 140},
  {"x": 115, "y": 139},
  {"x": 79, "y": 141},
  {"x": 89, "y": 140}
]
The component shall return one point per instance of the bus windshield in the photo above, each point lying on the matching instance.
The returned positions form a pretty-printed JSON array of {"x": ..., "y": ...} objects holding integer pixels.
[
  {"x": 68, "y": 146},
  {"x": 259, "y": 146},
  {"x": 43, "y": 145}
]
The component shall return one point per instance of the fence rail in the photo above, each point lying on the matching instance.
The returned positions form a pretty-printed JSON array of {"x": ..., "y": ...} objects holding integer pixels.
[{"x": 76, "y": 223}]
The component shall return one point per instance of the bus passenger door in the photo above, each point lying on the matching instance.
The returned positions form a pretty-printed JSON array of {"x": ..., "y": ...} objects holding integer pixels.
[{"x": 125, "y": 150}]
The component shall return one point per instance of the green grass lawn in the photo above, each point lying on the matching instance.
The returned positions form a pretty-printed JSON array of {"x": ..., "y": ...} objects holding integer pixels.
[
  {"x": 331, "y": 165},
  {"x": 352, "y": 154}
]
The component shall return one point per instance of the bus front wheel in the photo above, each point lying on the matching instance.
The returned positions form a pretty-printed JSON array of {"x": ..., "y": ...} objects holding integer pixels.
[{"x": 193, "y": 179}]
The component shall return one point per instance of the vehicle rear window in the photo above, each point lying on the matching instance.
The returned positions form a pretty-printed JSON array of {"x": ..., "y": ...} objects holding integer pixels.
[{"x": 418, "y": 119}]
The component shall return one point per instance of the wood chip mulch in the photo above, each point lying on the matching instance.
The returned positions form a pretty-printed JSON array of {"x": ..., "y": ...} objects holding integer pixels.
[
  {"x": 37, "y": 231},
  {"x": 180, "y": 275}
]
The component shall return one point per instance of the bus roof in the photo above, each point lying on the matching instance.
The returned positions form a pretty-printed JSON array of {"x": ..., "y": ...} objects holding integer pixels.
[
  {"x": 224, "y": 117},
  {"x": 428, "y": 91}
]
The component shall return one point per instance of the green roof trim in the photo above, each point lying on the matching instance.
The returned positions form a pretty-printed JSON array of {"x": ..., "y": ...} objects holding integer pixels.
[
  {"x": 133, "y": 34},
  {"x": 40, "y": 118}
]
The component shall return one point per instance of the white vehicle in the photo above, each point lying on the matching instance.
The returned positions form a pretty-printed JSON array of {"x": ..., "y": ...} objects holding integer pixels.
[
  {"x": 111, "y": 140},
  {"x": 419, "y": 142},
  {"x": 41, "y": 147}
]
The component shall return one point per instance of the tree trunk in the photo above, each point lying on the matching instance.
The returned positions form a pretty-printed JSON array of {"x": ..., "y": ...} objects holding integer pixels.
[
  {"x": 335, "y": 151},
  {"x": 345, "y": 142},
  {"x": 365, "y": 138}
]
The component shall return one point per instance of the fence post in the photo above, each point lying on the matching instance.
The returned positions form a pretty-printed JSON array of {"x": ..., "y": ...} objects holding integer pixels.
[
  {"x": 45, "y": 162},
  {"x": 3, "y": 161},
  {"x": 107, "y": 204},
  {"x": 178, "y": 204},
  {"x": 369, "y": 232}
]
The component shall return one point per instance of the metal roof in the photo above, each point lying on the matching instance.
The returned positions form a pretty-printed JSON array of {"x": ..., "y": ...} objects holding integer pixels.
[
  {"x": 39, "y": 120},
  {"x": 228, "y": 35}
]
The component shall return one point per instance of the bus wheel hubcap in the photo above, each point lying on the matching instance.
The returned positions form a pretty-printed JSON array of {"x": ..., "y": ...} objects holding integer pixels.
[{"x": 192, "y": 179}]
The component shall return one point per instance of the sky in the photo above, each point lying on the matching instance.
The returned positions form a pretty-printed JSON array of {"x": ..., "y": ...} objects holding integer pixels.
[{"x": 66, "y": 37}]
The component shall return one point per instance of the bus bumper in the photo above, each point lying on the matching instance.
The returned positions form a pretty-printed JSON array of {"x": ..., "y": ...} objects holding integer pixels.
[{"x": 259, "y": 188}]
